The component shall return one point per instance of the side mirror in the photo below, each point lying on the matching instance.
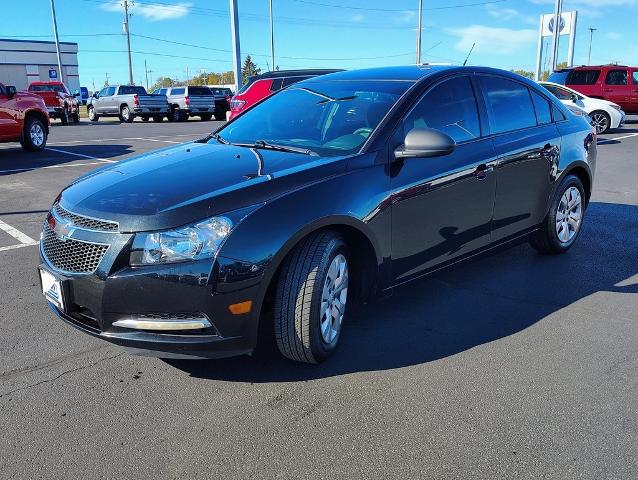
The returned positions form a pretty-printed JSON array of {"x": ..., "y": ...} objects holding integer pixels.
[
  {"x": 574, "y": 97},
  {"x": 96, "y": 95},
  {"x": 76, "y": 94},
  {"x": 11, "y": 91},
  {"x": 425, "y": 143}
]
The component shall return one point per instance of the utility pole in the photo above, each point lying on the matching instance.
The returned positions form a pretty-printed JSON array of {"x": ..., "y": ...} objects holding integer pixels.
[
  {"x": 187, "y": 76},
  {"x": 234, "y": 31},
  {"x": 146, "y": 72},
  {"x": 106, "y": 79},
  {"x": 418, "y": 33},
  {"x": 557, "y": 21},
  {"x": 57, "y": 40},
  {"x": 591, "y": 38},
  {"x": 272, "y": 39},
  {"x": 128, "y": 43}
]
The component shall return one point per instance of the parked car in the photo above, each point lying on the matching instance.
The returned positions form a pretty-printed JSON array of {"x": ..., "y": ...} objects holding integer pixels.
[
  {"x": 604, "y": 114},
  {"x": 261, "y": 86},
  {"x": 60, "y": 103},
  {"x": 24, "y": 118},
  {"x": 334, "y": 190},
  {"x": 615, "y": 83},
  {"x": 194, "y": 101},
  {"x": 127, "y": 102}
]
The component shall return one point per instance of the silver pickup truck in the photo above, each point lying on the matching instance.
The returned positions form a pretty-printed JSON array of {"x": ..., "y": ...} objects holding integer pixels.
[
  {"x": 126, "y": 102},
  {"x": 194, "y": 101}
]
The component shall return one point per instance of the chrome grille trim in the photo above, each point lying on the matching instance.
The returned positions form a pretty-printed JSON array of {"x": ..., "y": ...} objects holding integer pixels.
[
  {"x": 83, "y": 222},
  {"x": 71, "y": 255}
]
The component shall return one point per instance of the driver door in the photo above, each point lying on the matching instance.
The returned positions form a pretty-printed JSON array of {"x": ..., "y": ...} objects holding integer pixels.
[
  {"x": 442, "y": 206},
  {"x": 9, "y": 127}
]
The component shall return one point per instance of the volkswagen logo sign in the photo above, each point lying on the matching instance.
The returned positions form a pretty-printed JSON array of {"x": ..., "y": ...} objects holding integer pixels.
[{"x": 561, "y": 24}]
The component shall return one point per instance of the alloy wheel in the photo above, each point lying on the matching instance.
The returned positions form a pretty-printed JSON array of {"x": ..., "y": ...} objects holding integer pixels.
[
  {"x": 600, "y": 122},
  {"x": 36, "y": 134},
  {"x": 126, "y": 113},
  {"x": 569, "y": 215},
  {"x": 333, "y": 299}
]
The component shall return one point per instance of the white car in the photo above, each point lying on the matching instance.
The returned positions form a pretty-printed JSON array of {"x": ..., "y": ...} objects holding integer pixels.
[{"x": 604, "y": 114}]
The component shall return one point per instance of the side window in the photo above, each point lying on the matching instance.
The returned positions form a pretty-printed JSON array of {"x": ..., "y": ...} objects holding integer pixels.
[
  {"x": 508, "y": 103},
  {"x": 616, "y": 77},
  {"x": 557, "y": 114},
  {"x": 449, "y": 107},
  {"x": 103, "y": 92},
  {"x": 635, "y": 77},
  {"x": 276, "y": 84},
  {"x": 162, "y": 91},
  {"x": 560, "y": 93},
  {"x": 177, "y": 91},
  {"x": 2, "y": 92},
  {"x": 542, "y": 108},
  {"x": 110, "y": 91},
  {"x": 582, "y": 77}
]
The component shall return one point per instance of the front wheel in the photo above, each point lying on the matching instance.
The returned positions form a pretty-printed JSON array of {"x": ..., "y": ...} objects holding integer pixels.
[
  {"x": 64, "y": 116},
  {"x": 311, "y": 297},
  {"x": 93, "y": 117},
  {"x": 34, "y": 138},
  {"x": 601, "y": 121},
  {"x": 564, "y": 220},
  {"x": 206, "y": 117},
  {"x": 125, "y": 114},
  {"x": 158, "y": 118}
]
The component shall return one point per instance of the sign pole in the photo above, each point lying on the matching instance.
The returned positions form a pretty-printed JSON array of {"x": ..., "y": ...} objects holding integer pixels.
[
  {"x": 234, "y": 33},
  {"x": 539, "y": 52},
  {"x": 572, "y": 39},
  {"x": 556, "y": 33},
  {"x": 57, "y": 40}
]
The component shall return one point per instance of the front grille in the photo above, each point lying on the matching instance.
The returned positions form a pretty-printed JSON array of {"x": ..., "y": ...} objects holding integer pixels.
[
  {"x": 85, "y": 222},
  {"x": 71, "y": 255}
]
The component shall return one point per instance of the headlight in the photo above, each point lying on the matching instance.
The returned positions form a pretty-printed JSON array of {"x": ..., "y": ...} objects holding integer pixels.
[
  {"x": 617, "y": 107},
  {"x": 193, "y": 242}
]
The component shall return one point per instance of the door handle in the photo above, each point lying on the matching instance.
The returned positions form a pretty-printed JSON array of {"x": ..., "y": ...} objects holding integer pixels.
[
  {"x": 607, "y": 90},
  {"x": 481, "y": 171}
]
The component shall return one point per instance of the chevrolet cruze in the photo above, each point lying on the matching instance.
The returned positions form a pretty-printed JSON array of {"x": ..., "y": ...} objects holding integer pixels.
[{"x": 333, "y": 191}]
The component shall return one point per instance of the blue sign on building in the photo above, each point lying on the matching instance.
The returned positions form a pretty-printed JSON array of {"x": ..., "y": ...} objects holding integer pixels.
[{"x": 53, "y": 74}]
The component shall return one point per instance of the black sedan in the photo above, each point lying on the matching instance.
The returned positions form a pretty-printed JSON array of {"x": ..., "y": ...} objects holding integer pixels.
[{"x": 333, "y": 191}]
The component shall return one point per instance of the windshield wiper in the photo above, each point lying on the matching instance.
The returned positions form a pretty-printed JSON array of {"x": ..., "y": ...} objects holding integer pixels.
[
  {"x": 219, "y": 138},
  {"x": 280, "y": 148}
]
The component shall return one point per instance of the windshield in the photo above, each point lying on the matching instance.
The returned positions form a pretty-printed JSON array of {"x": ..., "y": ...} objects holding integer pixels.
[
  {"x": 46, "y": 88},
  {"x": 328, "y": 117}
]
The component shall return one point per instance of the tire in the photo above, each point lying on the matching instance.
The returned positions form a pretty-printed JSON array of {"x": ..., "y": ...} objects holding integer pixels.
[
  {"x": 76, "y": 117},
  {"x": 64, "y": 116},
  {"x": 601, "y": 121},
  {"x": 145, "y": 119},
  {"x": 220, "y": 116},
  {"x": 126, "y": 116},
  {"x": 304, "y": 286},
  {"x": 177, "y": 115},
  {"x": 158, "y": 118},
  {"x": 552, "y": 237},
  {"x": 206, "y": 117},
  {"x": 35, "y": 135},
  {"x": 93, "y": 117}
]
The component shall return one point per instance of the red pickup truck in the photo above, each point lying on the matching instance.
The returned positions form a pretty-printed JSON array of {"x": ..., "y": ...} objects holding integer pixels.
[
  {"x": 615, "y": 83},
  {"x": 23, "y": 118},
  {"x": 60, "y": 103}
]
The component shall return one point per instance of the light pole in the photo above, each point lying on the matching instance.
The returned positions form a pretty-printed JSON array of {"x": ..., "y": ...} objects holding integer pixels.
[
  {"x": 128, "y": 43},
  {"x": 57, "y": 40},
  {"x": 272, "y": 39},
  {"x": 234, "y": 32},
  {"x": 418, "y": 34},
  {"x": 591, "y": 37}
]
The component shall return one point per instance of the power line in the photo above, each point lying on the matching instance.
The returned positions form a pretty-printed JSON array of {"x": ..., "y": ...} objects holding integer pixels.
[{"x": 369, "y": 9}]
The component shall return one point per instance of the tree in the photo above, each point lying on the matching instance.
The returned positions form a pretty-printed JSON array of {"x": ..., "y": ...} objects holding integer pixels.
[
  {"x": 524, "y": 73},
  {"x": 249, "y": 69}
]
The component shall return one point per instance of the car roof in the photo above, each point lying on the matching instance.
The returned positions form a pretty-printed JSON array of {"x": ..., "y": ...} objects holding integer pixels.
[
  {"x": 46, "y": 83},
  {"x": 295, "y": 73}
]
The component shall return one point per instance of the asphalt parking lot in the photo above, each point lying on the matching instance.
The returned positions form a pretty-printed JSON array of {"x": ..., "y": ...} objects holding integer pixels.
[{"x": 513, "y": 366}]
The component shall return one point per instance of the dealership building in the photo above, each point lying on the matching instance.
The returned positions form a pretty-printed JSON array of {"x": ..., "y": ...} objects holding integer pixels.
[{"x": 26, "y": 61}]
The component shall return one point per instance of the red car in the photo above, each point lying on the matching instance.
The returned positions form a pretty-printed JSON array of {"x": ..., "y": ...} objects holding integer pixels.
[
  {"x": 59, "y": 101},
  {"x": 23, "y": 118},
  {"x": 615, "y": 83},
  {"x": 261, "y": 86}
]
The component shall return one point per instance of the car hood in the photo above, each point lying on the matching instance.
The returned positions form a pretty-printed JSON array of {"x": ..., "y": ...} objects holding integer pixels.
[
  {"x": 186, "y": 183},
  {"x": 593, "y": 103}
]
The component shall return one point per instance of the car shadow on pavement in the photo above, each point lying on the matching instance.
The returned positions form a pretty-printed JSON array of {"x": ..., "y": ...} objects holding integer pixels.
[
  {"x": 16, "y": 160},
  {"x": 464, "y": 307}
]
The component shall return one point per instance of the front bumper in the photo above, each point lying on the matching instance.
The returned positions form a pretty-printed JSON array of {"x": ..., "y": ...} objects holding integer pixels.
[
  {"x": 55, "y": 112},
  {"x": 116, "y": 293}
]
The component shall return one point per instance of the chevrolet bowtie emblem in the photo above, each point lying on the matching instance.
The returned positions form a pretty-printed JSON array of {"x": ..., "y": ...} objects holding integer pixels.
[{"x": 63, "y": 229}]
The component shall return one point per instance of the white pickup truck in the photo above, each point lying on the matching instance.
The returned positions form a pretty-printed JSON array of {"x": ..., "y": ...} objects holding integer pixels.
[
  {"x": 194, "y": 101},
  {"x": 127, "y": 102}
]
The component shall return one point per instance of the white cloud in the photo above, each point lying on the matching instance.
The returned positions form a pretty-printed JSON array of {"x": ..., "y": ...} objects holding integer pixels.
[
  {"x": 407, "y": 16},
  {"x": 152, "y": 12},
  {"x": 593, "y": 3},
  {"x": 510, "y": 14},
  {"x": 500, "y": 41}
]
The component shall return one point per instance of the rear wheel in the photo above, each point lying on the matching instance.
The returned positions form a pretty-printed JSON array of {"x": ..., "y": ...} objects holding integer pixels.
[
  {"x": 158, "y": 118},
  {"x": 76, "y": 117},
  {"x": 564, "y": 220},
  {"x": 64, "y": 116},
  {"x": 125, "y": 114},
  {"x": 145, "y": 119},
  {"x": 206, "y": 117},
  {"x": 34, "y": 138},
  {"x": 177, "y": 115},
  {"x": 600, "y": 120},
  {"x": 311, "y": 296},
  {"x": 93, "y": 117}
]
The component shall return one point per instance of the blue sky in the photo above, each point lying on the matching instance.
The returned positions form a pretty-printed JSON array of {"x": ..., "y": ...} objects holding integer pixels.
[{"x": 318, "y": 33}]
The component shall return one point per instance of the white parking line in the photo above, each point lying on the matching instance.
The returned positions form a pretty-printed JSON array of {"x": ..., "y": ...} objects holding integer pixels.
[
  {"x": 24, "y": 239},
  {"x": 161, "y": 141},
  {"x": 624, "y": 136},
  {"x": 98, "y": 140},
  {"x": 65, "y": 165},
  {"x": 81, "y": 155}
]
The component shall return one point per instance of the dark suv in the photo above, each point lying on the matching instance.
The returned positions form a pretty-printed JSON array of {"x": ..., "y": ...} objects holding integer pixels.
[
  {"x": 334, "y": 190},
  {"x": 616, "y": 83}
]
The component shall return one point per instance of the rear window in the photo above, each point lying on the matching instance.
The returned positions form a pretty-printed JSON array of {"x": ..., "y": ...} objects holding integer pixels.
[
  {"x": 248, "y": 83},
  {"x": 559, "y": 76},
  {"x": 132, "y": 90},
  {"x": 291, "y": 80},
  {"x": 542, "y": 107},
  {"x": 582, "y": 77},
  {"x": 178, "y": 91},
  {"x": 46, "y": 88},
  {"x": 199, "y": 91}
]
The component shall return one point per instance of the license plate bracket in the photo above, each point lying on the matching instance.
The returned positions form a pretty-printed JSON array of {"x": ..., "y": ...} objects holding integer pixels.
[{"x": 52, "y": 288}]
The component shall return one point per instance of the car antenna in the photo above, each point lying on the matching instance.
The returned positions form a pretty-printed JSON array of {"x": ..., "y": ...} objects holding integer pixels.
[{"x": 469, "y": 53}]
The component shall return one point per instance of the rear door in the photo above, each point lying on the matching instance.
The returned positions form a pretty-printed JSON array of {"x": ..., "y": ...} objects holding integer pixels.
[
  {"x": 616, "y": 87},
  {"x": 442, "y": 206},
  {"x": 527, "y": 144},
  {"x": 633, "y": 100}
]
